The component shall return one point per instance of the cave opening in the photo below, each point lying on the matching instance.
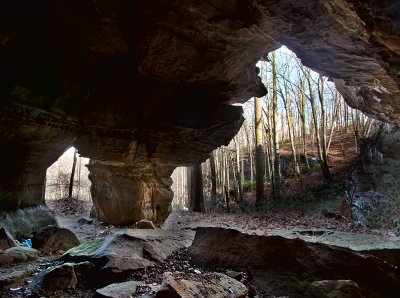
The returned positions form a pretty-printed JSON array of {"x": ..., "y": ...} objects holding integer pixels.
[
  {"x": 68, "y": 185},
  {"x": 179, "y": 187}
]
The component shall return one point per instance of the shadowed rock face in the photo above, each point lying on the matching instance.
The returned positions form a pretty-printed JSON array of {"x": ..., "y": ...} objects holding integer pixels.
[{"x": 141, "y": 87}]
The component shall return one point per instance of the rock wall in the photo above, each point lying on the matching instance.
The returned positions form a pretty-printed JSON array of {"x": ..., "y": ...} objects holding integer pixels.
[{"x": 139, "y": 85}]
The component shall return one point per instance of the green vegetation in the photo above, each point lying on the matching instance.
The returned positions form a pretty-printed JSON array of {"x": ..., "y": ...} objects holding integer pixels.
[{"x": 248, "y": 185}]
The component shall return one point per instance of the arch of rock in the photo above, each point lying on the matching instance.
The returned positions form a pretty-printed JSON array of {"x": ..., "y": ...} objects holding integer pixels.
[{"x": 142, "y": 87}]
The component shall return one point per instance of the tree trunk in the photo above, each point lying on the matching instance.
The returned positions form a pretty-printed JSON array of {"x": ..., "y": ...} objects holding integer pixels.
[
  {"x": 237, "y": 169},
  {"x": 303, "y": 123},
  {"x": 196, "y": 189},
  {"x": 321, "y": 95},
  {"x": 227, "y": 200},
  {"x": 71, "y": 180},
  {"x": 291, "y": 132},
  {"x": 213, "y": 181},
  {"x": 277, "y": 161},
  {"x": 259, "y": 152}
]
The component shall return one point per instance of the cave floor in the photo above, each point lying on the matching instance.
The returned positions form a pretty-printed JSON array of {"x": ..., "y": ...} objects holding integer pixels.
[{"x": 256, "y": 223}]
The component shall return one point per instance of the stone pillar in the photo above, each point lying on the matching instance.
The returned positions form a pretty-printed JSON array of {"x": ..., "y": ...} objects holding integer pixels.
[{"x": 123, "y": 193}]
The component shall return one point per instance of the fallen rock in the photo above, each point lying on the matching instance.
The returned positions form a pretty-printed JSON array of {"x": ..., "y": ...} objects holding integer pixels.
[
  {"x": 144, "y": 224},
  {"x": 6, "y": 241},
  {"x": 5, "y": 259},
  {"x": 52, "y": 239},
  {"x": 116, "y": 257},
  {"x": 336, "y": 289},
  {"x": 189, "y": 285},
  {"x": 158, "y": 244},
  {"x": 10, "y": 278},
  {"x": 289, "y": 266},
  {"x": 112, "y": 255},
  {"x": 21, "y": 253},
  {"x": 118, "y": 290},
  {"x": 385, "y": 249},
  {"x": 55, "y": 278},
  {"x": 85, "y": 274}
]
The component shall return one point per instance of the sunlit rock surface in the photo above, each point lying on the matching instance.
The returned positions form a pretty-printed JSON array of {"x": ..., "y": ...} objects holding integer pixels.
[{"x": 141, "y": 87}]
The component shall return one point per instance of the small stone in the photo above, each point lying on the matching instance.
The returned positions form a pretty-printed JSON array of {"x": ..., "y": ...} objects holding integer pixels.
[
  {"x": 85, "y": 220},
  {"x": 118, "y": 290},
  {"x": 144, "y": 224}
]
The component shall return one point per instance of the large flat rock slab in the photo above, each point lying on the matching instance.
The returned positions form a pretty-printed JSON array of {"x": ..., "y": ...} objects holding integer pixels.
[
  {"x": 381, "y": 247},
  {"x": 354, "y": 241},
  {"x": 116, "y": 256},
  {"x": 287, "y": 267},
  {"x": 161, "y": 243}
]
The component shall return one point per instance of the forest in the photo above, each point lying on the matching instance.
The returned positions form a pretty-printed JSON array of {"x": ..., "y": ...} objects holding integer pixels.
[{"x": 301, "y": 135}]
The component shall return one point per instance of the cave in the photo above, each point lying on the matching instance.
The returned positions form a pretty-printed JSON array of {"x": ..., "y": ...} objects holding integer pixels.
[{"x": 143, "y": 87}]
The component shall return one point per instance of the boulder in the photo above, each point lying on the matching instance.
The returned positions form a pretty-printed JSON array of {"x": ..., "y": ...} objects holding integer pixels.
[
  {"x": 23, "y": 222},
  {"x": 144, "y": 224},
  {"x": 117, "y": 256},
  {"x": 5, "y": 259},
  {"x": 6, "y": 240},
  {"x": 55, "y": 278},
  {"x": 21, "y": 253},
  {"x": 52, "y": 239},
  {"x": 190, "y": 285},
  {"x": 7, "y": 279},
  {"x": 118, "y": 290},
  {"x": 336, "y": 289},
  {"x": 287, "y": 267},
  {"x": 158, "y": 244},
  {"x": 385, "y": 249}
]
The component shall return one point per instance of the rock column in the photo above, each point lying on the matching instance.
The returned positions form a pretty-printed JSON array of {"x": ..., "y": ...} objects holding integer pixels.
[{"x": 123, "y": 194}]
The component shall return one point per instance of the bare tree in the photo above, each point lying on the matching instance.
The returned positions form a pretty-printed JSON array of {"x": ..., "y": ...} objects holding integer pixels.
[
  {"x": 277, "y": 169},
  {"x": 195, "y": 192},
  {"x": 213, "y": 181},
  {"x": 259, "y": 151},
  {"x": 71, "y": 180}
]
